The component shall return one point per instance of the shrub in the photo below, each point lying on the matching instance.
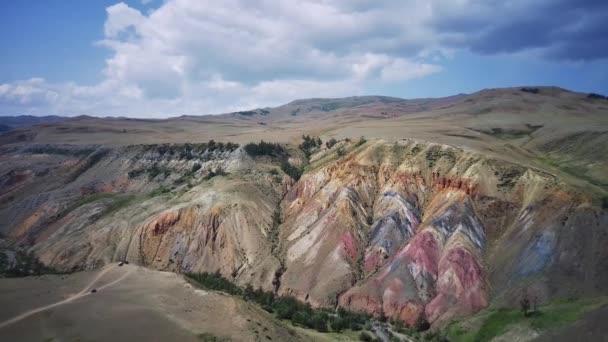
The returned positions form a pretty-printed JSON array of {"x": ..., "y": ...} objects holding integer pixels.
[
  {"x": 530, "y": 90},
  {"x": 230, "y": 146},
  {"x": 319, "y": 322},
  {"x": 422, "y": 324},
  {"x": 71, "y": 151},
  {"x": 605, "y": 202},
  {"x": 596, "y": 96},
  {"x": 291, "y": 171},
  {"x": 286, "y": 307},
  {"x": 152, "y": 172},
  {"x": 134, "y": 173},
  {"x": 273, "y": 234},
  {"x": 195, "y": 167},
  {"x": 215, "y": 281},
  {"x": 341, "y": 152},
  {"x": 331, "y": 142},
  {"x": 364, "y": 336},
  {"x": 382, "y": 317},
  {"x": 265, "y": 149},
  {"x": 206, "y": 337},
  {"x": 309, "y": 144},
  {"x": 337, "y": 324},
  {"x": 354, "y": 326},
  {"x": 524, "y": 304},
  {"x": 26, "y": 264},
  {"x": 361, "y": 141},
  {"x": 247, "y": 112},
  {"x": 158, "y": 191},
  {"x": 218, "y": 172}
]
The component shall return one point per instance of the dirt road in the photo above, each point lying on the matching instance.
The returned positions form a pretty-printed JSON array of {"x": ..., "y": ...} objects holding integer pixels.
[{"x": 84, "y": 292}]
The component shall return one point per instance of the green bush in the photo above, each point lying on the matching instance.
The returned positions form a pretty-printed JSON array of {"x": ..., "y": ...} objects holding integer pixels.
[
  {"x": 214, "y": 173},
  {"x": 301, "y": 318},
  {"x": 597, "y": 96},
  {"x": 215, "y": 281},
  {"x": 530, "y": 90},
  {"x": 207, "y": 337},
  {"x": 68, "y": 151},
  {"x": 361, "y": 141},
  {"x": 337, "y": 324},
  {"x": 331, "y": 142},
  {"x": 364, "y": 336},
  {"x": 134, "y": 173},
  {"x": 319, "y": 322},
  {"x": 265, "y": 149},
  {"x": 26, "y": 264},
  {"x": 309, "y": 144},
  {"x": 273, "y": 234},
  {"x": 291, "y": 171},
  {"x": 286, "y": 307}
]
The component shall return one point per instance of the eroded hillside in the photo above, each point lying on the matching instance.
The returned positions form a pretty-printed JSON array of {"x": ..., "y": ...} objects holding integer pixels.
[{"x": 411, "y": 230}]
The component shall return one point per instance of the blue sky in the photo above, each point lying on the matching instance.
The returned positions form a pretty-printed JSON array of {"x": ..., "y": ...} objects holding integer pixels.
[{"x": 157, "y": 58}]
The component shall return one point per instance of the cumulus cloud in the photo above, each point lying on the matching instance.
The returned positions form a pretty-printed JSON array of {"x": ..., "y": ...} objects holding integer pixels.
[{"x": 202, "y": 56}]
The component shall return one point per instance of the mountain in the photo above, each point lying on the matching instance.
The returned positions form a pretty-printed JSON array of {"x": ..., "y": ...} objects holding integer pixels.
[
  {"x": 446, "y": 213},
  {"x": 26, "y": 120}
]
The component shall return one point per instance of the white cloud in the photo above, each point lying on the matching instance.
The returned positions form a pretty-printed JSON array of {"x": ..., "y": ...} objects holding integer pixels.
[
  {"x": 120, "y": 18},
  {"x": 204, "y": 56},
  {"x": 201, "y": 56}
]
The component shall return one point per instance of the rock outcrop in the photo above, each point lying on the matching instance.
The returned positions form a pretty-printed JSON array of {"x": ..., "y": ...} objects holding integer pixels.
[{"x": 413, "y": 231}]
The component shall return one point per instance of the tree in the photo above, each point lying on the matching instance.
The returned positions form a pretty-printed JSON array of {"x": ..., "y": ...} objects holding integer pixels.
[
  {"x": 319, "y": 322},
  {"x": 331, "y": 142},
  {"x": 382, "y": 317},
  {"x": 249, "y": 292},
  {"x": 291, "y": 171},
  {"x": 265, "y": 148},
  {"x": 309, "y": 144},
  {"x": 524, "y": 304},
  {"x": 366, "y": 337},
  {"x": 337, "y": 324},
  {"x": 301, "y": 318}
]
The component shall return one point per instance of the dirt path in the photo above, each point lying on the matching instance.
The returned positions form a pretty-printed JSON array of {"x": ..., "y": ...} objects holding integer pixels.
[{"x": 84, "y": 292}]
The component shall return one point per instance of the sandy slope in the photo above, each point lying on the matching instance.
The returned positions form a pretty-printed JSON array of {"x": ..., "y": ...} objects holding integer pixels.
[{"x": 131, "y": 303}]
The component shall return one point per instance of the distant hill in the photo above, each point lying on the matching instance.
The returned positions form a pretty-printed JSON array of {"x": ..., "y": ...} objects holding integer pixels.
[{"x": 9, "y": 122}]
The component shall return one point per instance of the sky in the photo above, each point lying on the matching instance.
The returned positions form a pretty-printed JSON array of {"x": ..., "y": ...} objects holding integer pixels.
[{"x": 155, "y": 58}]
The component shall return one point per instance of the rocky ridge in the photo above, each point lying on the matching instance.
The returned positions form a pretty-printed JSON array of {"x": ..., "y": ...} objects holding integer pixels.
[{"x": 411, "y": 230}]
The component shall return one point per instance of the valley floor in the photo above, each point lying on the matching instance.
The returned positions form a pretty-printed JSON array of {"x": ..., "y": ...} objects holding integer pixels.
[{"x": 132, "y": 303}]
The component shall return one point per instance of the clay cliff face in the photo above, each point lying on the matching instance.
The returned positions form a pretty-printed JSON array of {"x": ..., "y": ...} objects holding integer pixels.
[{"x": 410, "y": 230}]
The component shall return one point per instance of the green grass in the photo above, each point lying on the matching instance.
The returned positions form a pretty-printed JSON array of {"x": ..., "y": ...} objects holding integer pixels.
[
  {"x": 285, "y": 307},
  {"x": 576, "y": 171},
  {"x": 498, "y": 322},
  {"x": 92, "y": 198},
  {"x": 119, "y": 201}
]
